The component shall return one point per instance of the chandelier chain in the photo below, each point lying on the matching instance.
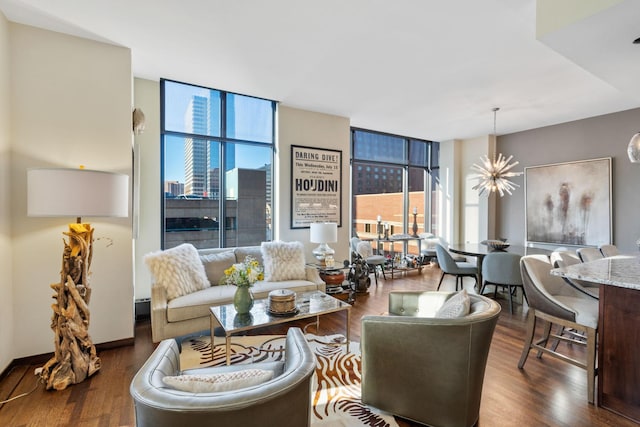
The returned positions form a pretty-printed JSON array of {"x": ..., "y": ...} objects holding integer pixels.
[{"x": 495, "y": 133}]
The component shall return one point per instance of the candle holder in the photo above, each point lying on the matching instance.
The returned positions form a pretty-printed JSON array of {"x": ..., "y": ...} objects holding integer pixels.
[{"x": 415, "y": 224}]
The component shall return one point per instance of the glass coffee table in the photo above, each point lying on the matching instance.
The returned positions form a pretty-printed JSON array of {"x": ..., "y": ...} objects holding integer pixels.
[{"x": 310, "y": 304}]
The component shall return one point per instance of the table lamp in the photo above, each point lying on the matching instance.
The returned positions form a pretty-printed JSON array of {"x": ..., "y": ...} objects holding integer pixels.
[
  {"x": 323, "y": 233},
  {"x": 74, "y": 193}
]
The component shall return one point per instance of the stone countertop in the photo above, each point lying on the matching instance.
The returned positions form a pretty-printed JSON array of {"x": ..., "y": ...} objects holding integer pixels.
[{"x": 622, "y": 271}]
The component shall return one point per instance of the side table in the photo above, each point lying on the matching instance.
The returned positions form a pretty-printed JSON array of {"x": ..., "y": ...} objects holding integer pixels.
[{"x": 334, "y": 277}]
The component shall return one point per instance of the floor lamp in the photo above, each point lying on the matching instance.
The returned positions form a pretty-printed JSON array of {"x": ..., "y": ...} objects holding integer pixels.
[{"x": 74, "y": 193}]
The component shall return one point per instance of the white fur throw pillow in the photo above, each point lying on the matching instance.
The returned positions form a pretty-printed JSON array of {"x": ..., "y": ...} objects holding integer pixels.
[
  {"x": 227, "y": 381},
  {"x": 179, "y": 270},
  {"x": 456, "y": 306},
  {"x": 283, "y": 261}
]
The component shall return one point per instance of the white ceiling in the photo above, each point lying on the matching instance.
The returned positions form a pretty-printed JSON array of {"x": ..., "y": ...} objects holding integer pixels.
[{"x": 421, "y": 68}]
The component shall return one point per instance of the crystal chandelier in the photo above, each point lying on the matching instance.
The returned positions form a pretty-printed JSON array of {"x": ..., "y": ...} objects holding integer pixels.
[{"x": 493, "y": 175}]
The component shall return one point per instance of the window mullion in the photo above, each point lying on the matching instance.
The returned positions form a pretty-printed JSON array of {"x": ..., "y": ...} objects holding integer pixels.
[{"x": 222, "y": 175}]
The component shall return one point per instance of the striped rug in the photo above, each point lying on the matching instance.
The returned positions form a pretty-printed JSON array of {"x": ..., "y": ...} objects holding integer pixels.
[{"x": 335, "y": 392}]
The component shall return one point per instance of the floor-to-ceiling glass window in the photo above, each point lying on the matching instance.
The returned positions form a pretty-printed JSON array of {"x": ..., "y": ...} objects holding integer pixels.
[
  {"x": 391, "y": 186},
  {"x": 217, "y": 157}
]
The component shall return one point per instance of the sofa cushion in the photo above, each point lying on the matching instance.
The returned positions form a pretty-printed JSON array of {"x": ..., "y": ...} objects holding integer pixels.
[
  {"x": 253, "y": 251},
  {"x": 283, "y": 261},
  {"x": 216, "y": 264},
  {"x": 179, "y": 270},
  {"x": 456, "y": 306},
  {"x": 197, "y": 304},
  {"x": 225, "y": 381}
]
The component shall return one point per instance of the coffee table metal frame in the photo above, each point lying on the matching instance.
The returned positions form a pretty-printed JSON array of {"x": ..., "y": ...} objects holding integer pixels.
[{"x": 310, "y": 304}]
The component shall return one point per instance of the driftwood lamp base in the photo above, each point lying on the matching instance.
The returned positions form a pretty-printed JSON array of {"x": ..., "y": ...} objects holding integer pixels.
[{"x": 75, "y": 356}]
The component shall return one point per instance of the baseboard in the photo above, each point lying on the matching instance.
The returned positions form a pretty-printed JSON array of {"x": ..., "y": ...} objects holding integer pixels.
[{"x": 41, "y": 359}]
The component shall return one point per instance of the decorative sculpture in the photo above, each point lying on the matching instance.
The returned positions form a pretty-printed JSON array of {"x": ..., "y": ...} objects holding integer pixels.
[
  {"x": 75, "y": 357},
  {"x": 359, "y": 279}
]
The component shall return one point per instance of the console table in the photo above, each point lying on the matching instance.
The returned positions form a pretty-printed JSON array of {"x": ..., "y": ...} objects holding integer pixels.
[
  {"x": 395, "y": 269},
  {"x": 618, "y": 330}
]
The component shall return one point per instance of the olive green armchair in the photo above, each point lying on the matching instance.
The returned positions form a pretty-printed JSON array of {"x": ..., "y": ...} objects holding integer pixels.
[{"x": 424, "y": 368}]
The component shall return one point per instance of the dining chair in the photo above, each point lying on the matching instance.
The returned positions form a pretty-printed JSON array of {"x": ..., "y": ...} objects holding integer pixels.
[
  {"x": 459, "y": 269},
  {"x": 561, "y": 259},
  {"x": 589, "y": 254},
  {"x": 554, "y": 302},
  {"x": 502, "y": 269},
  {"x": 428, "y": 247},
  {"x": 609, "y": 250}
]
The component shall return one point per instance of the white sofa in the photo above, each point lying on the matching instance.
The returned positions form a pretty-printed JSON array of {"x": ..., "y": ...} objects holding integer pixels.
[{"x": 189, "y": 313}]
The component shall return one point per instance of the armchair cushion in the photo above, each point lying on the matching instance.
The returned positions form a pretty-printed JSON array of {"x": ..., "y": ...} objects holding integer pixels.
[
  {"x": 179, "y": 270},
  {"x": 283, "y": 261},
  {"x": 226, "y": 381},
  {"x": 457, "y": 305}
]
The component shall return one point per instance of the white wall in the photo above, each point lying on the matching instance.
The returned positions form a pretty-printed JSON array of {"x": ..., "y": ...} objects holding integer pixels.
[
  {"x": 309, "y": 129},
  {"x": 70, "y": 105},
  {"x": 475, "y": 210},
  {"x": 6, "y": 284},
  {"x": 147, "y": 188},
  {"x": 465, "y": 217}
]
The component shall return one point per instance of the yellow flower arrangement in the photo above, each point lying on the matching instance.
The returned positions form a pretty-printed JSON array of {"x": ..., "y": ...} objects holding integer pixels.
[{"x": 243, "y": 274}]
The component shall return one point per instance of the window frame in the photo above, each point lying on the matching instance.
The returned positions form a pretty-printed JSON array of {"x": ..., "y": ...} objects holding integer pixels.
[
  {"x": 429, "y": 164},
  {"x": 223, "y": 142}
]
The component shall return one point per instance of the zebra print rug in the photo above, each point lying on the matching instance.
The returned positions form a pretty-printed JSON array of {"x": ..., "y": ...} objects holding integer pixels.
[{"x": 335, "y": 393}]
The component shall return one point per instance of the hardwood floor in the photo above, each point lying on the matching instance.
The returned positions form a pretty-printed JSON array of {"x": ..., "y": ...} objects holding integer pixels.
[{"x": 547, "y": 392}]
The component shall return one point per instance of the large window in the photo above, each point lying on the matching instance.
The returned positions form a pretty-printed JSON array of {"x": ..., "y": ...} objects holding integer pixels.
[
  {"x": 393, "y": 179},
  {"x": 217, "y": 157}
]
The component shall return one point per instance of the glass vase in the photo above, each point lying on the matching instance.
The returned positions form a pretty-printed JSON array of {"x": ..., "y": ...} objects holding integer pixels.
[{"x": 243, "y": 300}]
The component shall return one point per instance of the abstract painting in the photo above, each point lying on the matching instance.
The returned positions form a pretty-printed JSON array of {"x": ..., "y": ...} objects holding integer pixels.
[{"x": 569, "y": 203}]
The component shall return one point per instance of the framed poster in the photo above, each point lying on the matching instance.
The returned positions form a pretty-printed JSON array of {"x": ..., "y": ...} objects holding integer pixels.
[
  {"x": 316, "y": 186},
  {"x": 569, "y": 203}
]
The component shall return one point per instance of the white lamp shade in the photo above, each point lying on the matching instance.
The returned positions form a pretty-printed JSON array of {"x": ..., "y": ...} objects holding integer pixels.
[
  {"x": 323, "y": 232},
  {"x": 77, "y": 193}
]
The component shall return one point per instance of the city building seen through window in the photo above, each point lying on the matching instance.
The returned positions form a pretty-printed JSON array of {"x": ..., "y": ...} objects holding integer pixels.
[
  {"x": 395, "y": 187},
  {"x": 217, "y": 156}
]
